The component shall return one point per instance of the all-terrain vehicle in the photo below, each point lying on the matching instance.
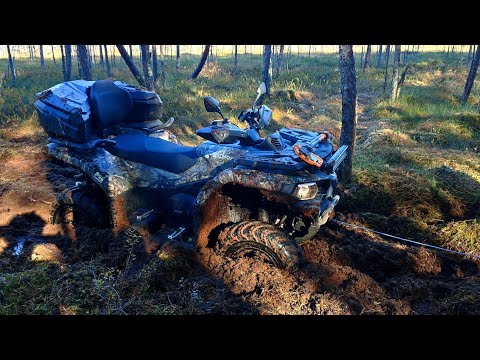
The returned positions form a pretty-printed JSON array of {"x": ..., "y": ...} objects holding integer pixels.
[{"x": 237, "y": 193}]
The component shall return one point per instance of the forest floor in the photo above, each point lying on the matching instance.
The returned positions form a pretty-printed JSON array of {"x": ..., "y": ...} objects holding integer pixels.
[{"x": 416, "y": 175}]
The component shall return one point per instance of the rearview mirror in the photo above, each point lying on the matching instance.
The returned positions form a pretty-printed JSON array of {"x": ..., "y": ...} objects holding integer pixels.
[
  {"x": 211, "y": 104},
  {"x": 262, "y": 89}
]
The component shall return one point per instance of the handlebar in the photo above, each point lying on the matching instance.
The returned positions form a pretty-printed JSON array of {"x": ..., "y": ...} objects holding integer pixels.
[{"x": 250, "y": 116}]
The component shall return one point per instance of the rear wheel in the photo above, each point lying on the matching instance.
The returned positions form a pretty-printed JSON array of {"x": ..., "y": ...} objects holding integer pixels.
[
  {"x": 80, "y": 206},
  {"x": 259, "y": 240}
]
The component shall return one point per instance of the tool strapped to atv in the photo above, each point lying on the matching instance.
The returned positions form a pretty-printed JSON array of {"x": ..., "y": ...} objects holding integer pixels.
[{"x": 237, "y": 193}]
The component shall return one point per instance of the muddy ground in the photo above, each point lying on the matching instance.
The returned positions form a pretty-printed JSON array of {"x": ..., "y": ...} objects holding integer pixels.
[{"x": 346, "y": 272}]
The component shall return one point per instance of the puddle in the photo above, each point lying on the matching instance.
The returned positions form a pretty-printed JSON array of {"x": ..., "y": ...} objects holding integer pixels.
[
  {"x": 21, "y": 240},
  {"x": 17, "y": 250}
]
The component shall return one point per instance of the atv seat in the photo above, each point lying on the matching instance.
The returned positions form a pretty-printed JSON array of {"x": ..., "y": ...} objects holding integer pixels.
[
  {"x": 154, "y": 152},
  {"x": 110, "y": 104}
]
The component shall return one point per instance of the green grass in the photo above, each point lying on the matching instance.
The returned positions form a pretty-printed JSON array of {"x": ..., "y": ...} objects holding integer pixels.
[{"x": 416, "y": 167}]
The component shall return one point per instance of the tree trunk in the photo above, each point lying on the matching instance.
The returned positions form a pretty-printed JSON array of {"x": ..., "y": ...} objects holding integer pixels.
[
  {"x": 162, "y": 68},
  {"x": 267, "y": 66},
  {"x": 361, "y": 58},
  {"x": 91, "y": 51},
  {"x": 147, "y": 70},
  {"x": 68, "y": 63},
  {"x": 107, "y": 62},
  {"x": 387, "y": 55},
  {"x": 78, "y": 63},
  {"x": 123, "y": 52},
  {"x": 235, "y": 59},
  {"x": 30, "y": 49},
  {"x": 405, "y": 55},
  {"x": 471, "y": 76},
  {"x": 279, "y": 60},
  {"x": 102, "y": 64},
  {"x": 469, "y": 57},
  {"x": 82, "y": 53},
  {"x": 379, "y": 57},
  {"x": 131, "y": 54},
  {"x": 154, "y": 64},
  {"x": 63, "y": 61},
  {"x": 366, "y": 64},
  {"x": 12, "y": 66},
  {"x": 112, "y": 52},
  {"x": 349, "y": 108},
  {"x": 201, "y": 63},
  {"x": 211, "y": 58},
  {"x": 309, "y": 50},
  {"x": 177, "y": 65},
  {"x": 53, "y": 55},
  {"x": 402, "y": 80},
  {"x": 42, "y": 59},
  {"x": 396, "y": 63}
]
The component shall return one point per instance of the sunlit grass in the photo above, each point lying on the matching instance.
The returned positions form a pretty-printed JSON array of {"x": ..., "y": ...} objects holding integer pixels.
[{"x": 405, "y": 148}]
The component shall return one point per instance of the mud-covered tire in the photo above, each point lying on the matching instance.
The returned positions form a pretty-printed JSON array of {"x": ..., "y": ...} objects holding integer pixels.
[
  {"x": 85, "y": 210},
  {"x": 262, "y": 240}
]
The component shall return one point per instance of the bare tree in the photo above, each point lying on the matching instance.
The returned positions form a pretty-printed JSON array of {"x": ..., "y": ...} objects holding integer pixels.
[
  {"x": 82, "y": 53},
  {"x": 471, "y": 76},
  {"x": 267, "y": 66},
  {"x": 162, "y": 68},
  {"x": 396, "y": 63},
  {"x": 469, "y": 57},
  {"x": 107, "y": 61},
  {"x": 366, "y": 64},
  {"x": 361, "y": 58},
  {"x": 128, "y": 60},
  {"x": 279, "y": 60},
  {"x": 177, "y": 65},
  {"x": 402, "y": 79},
  {"x": 235, "y": 59},
  {"x": 131, "y": 54},
  {"x": 349, "y": 107},
  {"x": 63, "y": 61},
  {"x": 91, "y": 51},
  {"x": 387, "y": 55},
  {"x": 379, "y": 56},
  {"x": 53, "y": 55},
  {"x": 201, "y": 63},
  {"x": 12, "y": 66},
  {"x": 154, "y": 64},
  {"x": 68, "y": 63},
  {"x": 112, "y": 57},
  {"x": 42, "y": 59},
  {"x": 147, "y": 70},
  {"x": 102, "y": 64}
]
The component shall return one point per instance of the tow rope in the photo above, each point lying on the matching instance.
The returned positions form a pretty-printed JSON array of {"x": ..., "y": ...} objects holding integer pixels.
[{"x": 405, "y": 240}]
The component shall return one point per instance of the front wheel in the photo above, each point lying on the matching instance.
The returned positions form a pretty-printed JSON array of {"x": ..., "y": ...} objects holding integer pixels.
[{"x": 259, "y": 240}]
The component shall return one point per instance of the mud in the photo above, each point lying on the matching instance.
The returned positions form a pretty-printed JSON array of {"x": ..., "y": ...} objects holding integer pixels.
[
  {"x": 345, "y": 272},
  {"x": 349, "y": 273}
]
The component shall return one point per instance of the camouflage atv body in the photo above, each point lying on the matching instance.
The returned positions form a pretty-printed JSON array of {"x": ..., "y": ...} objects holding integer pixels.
[{"x": 236, "y": 193}]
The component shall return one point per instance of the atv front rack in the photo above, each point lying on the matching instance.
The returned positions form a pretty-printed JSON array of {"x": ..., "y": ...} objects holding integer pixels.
[{"x": 289, "y": 162}]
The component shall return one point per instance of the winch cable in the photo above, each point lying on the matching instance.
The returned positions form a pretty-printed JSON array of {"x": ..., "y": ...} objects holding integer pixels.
[{"x": 405, "y": 240}]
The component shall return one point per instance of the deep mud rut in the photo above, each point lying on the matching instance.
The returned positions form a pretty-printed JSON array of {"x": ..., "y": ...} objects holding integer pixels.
[{"x": 346, "y": 272}]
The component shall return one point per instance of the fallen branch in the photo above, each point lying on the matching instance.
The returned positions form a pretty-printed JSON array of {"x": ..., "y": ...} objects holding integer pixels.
[{"x": 41, "y": 201}]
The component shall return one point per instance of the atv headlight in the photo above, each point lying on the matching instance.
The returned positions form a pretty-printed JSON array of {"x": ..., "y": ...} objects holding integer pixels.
[{"x": 305, "y": 191}]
